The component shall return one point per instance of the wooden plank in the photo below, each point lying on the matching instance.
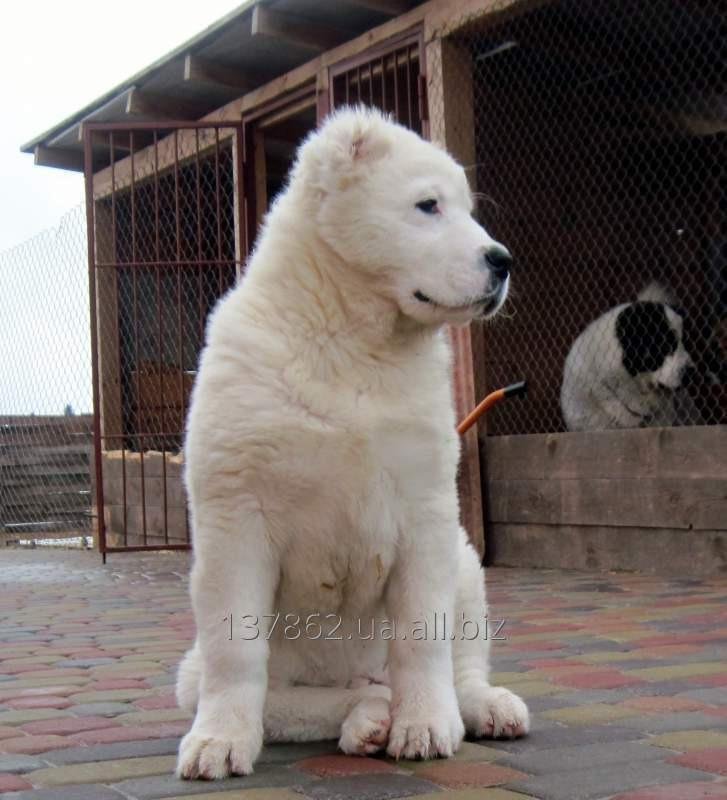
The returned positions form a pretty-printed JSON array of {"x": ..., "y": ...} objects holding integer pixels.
[
  {"x": 295, "y": 30},
  {"x": 666, "y": 551},
  {"x": 636, "y": 453},
  {"x": 448, "y": 16},
  {"x": 689, "y": 504}
]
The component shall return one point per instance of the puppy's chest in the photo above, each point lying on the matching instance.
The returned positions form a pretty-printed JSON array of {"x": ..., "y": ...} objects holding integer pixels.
[{"x": 343, "y": 568}]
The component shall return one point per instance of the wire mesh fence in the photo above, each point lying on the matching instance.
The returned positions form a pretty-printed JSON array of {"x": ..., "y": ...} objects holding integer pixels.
[
  {"x": 597, "y": 132},
  {"x": 45, "y": 390}
]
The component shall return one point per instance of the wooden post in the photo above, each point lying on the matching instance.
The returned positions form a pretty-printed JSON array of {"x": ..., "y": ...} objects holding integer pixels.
[{"x": 452, "y": 124}]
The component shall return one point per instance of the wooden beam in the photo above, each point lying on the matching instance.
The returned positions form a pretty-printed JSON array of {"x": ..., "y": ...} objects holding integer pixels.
[
  {"x": 446, "y": 16},
  {"x": 452, "y": 124},
  {"x": 295, "y": 30},
  {"x": 142, "y": 104},
  {"x": 58, "y": 158},
  {"x": 391, "y": 7},
  {"x": 201, "y": 70}
]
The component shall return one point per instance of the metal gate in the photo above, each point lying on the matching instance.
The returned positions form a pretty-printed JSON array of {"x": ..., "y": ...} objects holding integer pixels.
[
  {"x": 164, "y": 211},
  {"x": 390, "y": 78}
]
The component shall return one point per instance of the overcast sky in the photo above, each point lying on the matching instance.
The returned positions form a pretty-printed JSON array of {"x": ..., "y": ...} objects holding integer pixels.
[{"x": 56, "y": 57}]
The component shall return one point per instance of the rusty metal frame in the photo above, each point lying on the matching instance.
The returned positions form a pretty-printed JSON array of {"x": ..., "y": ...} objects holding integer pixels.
[{"x": 168, "y": 128}]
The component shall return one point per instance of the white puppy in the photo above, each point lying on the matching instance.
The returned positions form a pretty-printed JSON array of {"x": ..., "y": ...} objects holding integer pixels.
[
  {"x": 321, "y": 461},
  {"x": 627, "y": 369}
]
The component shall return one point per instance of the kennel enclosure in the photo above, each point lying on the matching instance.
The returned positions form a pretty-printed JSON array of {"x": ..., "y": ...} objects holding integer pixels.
[{"x": 593, "y": 134}]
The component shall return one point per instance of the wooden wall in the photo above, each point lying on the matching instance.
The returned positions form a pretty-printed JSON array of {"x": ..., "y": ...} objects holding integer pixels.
[
  {"x": 45, "y": 475},
  {"x": 648, "y": 499}
]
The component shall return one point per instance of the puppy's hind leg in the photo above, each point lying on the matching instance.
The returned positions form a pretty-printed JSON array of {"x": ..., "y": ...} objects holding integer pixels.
[
  {"x": 233, "y": 583},
  {"x": 189, "y": 674},
  {"x": 486, "y": 710},
  {"x": 359, "y": 718}
]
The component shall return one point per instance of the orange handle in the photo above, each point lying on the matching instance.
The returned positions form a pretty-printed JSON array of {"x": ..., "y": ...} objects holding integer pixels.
[{"x": 491, "y": 400}]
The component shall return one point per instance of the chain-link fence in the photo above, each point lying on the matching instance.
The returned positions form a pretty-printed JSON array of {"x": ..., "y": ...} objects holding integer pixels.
[
  {"x": 45, "y": 389},
  {"x": 600, "y": 140}
]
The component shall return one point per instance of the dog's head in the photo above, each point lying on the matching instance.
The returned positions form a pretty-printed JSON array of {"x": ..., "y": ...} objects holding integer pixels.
[
  {"x": 400, "y": 210},
  {"x": 651, "y": 336}
]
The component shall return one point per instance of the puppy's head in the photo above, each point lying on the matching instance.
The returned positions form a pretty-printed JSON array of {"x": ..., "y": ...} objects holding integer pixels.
[
  {"x": 399, "y": 209},
  {"x": 652, "y": 343}
]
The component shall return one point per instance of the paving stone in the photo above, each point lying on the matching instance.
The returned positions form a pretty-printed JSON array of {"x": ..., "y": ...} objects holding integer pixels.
[
  {"x": 678, "y": 791},
  {"x": 157, "y": 702},
  {"x": 473, "y": 794},
  {"x": 289, "y": 753},
  {"x": 103, "y": 771},
  {"x": 110, "y": 752},
  {"x": 28, "y": 715},
  {"x": 166, "y": 679},
  {"x": 82, "y": 792},
  {"x": 677, "y": 671},
  {"x": 19, "y": 763},
  {"x": 366, "y": 787},
  {"x": 12, "y": 783},
  {"x": 46, "y": 701},
  {"x": 683, "y": 721},
  {"x": 710, "y": 760},
  {"x": 660, "y": 689},
  {"x": 590, "y": 714},
  {"x": 690, "y": 740},
  {"x": 161, "y": 715},
  {"x": 101, "y": 709},
  {"x": 66, "y": 725},
  {"x": 593, "y": 697},
  {"x": 117, "y": 733},
  {"x": 462, "y": 775},
  {"x": 588, "y": 784},
  {"x": 248, "y": 794},
  {"x": 561, "y": 736},
  {"x": 31, "y": 745},
  {"x": 663, "y": 705},
  {"x": 569, "y": 759},
  {"x": 36, "y": 681},
  {"x": 163, "y": 786},
  {"x": 84, "y": 662},
  {"x": 331, "y": 766},
  {"x": 716, "y": 696},
  {"x": 108, "y": 696},
  {"x": 8, "y": 732}
]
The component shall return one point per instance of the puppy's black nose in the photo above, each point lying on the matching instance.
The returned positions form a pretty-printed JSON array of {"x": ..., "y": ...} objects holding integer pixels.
[{"x": 498, "y": 260}]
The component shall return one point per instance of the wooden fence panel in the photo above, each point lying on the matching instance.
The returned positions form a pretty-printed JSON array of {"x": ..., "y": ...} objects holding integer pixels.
[{"x": 45, "y": 475}]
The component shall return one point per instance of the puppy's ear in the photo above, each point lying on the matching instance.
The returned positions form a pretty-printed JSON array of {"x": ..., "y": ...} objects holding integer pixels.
[{"x": 347, "y": 143}]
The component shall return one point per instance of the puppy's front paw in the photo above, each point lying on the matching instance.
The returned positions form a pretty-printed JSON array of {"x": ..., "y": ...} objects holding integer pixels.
[
  {"x": 493, "y": 712},
  {"x": 366, "y": 728},
  {"x": 212, "y": 754},
  {"x": 433, "y": 731}
]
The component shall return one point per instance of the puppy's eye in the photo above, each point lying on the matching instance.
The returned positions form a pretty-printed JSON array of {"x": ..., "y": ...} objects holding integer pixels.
[{"x": 428, "y": 206}]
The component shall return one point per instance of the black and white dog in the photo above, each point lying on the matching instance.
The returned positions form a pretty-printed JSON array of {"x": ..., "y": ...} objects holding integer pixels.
[{"x": 628, "y": 368}]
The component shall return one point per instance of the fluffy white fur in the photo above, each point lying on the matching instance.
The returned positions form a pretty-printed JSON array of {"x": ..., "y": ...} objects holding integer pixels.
[
  {"x": 597, "y": 391},
  {"x": 321, "y": 459}
]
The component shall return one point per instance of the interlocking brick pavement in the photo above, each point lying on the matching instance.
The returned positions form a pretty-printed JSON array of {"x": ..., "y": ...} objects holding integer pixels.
[{"x": 626, "y": 676}]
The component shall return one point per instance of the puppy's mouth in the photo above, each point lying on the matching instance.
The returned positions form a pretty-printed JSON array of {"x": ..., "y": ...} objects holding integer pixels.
[{"x": 483, "y": 305}]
